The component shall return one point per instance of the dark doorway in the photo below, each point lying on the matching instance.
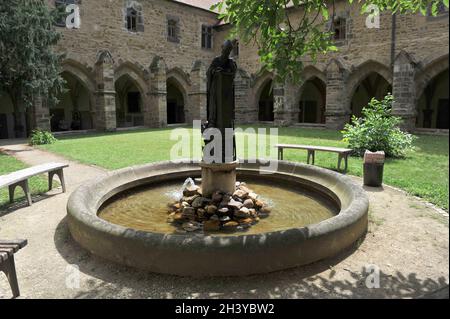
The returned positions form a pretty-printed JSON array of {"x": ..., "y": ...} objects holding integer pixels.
[
  {"x": 442, "y": 116},
  {"x": 175, "y": 103},
  {"x": 266, "y": 104},
  {"x": 133, "y": 102},
  {"x": 172, "y": 112},
  {"x": 432, "y": 106},
  {"x": 3, "y": 126},
  {"x": 308, "y": 112}
]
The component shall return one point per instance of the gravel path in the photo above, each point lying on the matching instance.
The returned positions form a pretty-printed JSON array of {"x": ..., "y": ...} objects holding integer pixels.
[{"x": 408, "y": 241}]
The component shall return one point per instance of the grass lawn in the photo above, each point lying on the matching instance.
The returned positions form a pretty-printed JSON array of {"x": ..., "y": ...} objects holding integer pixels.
[
  {"x": 423, "y": 173},
  {"x": 9, "y": 164}
]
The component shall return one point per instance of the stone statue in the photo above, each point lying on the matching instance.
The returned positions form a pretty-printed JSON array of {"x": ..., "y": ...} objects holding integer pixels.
[{"x": 220, "y": 98}]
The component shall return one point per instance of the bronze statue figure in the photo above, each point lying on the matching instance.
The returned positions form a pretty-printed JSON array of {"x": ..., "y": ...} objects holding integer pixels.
[{"x": 220, "y": 97}]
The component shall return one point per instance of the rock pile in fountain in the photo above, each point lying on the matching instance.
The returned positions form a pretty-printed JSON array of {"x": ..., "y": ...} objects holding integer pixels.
[{"x": 222, "y": 212}]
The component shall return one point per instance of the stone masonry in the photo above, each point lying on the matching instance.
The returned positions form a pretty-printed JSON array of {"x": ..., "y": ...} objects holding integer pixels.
[{"x": 103, "y": 50}]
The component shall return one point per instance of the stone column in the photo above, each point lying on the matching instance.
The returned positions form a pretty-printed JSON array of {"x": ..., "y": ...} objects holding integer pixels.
[
  {"x": 404, "y": 90},
  {"x": 105, "y": 114},
  {"x": 40, "y": 115},
  {"x": 157, "y": 115},
  {"x": 337, "y": 110},
  {"x": 281, "y": 107},
  {"x": 245, "y": 111},
  {"x": 198, "y": 93}
]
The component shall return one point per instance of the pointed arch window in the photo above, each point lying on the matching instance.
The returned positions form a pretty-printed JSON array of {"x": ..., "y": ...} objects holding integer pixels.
[{"x": 134, "y": 21}]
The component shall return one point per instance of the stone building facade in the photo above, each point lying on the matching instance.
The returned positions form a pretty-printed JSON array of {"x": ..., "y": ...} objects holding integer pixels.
[{"x": 143, "y": 63}]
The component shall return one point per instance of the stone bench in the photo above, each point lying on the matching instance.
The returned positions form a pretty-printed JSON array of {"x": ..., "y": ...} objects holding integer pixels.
[
  {"x": 20, "y": 178},
  {"x": 7, "y": 265},
  {"x": 343, "y": 153}
]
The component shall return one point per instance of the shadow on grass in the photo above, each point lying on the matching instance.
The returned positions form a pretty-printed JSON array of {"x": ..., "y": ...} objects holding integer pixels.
[{"x": 308, "y": 281}]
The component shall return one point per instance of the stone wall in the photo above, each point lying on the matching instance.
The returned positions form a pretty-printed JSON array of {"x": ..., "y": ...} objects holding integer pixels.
[{"x": 148, "y": 59}]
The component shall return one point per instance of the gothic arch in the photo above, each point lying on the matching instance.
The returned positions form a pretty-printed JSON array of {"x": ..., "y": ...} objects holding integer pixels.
[
  {"x": 431, "y": 68},
  {"x": 260, "y": 80},
  {"x": 180, "y": 77},
  {"x": 133, "y": 72},
  {"x": 363, "y": 70},
  {"x": 309, "y": 73},
  {"x": 80, "y": 72}
]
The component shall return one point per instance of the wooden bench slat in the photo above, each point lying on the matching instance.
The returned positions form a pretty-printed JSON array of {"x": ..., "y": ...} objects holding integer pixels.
[
  {"x": 19, "y": 242},
  {"x": 26, "y": 173},
  {"x": 315, "y": 148},
  {"x": 343, "y": 153},
  {"x": 15, "y": 248}
]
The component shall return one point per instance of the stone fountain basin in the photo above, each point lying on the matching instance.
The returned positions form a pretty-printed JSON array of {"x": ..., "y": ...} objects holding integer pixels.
[{"x": 216, "y": 255}]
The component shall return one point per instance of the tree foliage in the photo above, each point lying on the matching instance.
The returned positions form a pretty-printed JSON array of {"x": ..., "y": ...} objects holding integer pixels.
[
  {"x": 283, "y": 41},
  {"x": 29, "y": 67}
]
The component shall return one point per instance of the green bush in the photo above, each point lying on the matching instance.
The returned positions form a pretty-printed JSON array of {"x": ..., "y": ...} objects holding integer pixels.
[
  {"x": 378, "y": 130},
  {"x": 39, "y": 137}
]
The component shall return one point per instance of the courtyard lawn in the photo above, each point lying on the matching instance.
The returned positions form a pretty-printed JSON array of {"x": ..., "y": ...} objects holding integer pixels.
[
  {"x": 423, "y": 173},
  {"x": 9, "y": 164}
]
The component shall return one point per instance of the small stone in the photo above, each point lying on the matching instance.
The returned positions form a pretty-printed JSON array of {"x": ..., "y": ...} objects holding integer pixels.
[
  {"x": 191, "y": 226},
  {"x": 211, "y": 225},
  {"x": 223, "y": 211},
  {"x": 240, "y": 194},
  {"x": 234, "y": 204},
  {"x": 178, "y": 218},
  {"x": 242, "y": 215},
  {"x": 190, "y": 199},
  {"x": 244, "y": 189},
  {"x": 201, "y": 213},
  {"x": 188, "y": 213},
  {"x": 211, "y": 209},
  {"x": 248, "y": 203},
  {"x": 265, "y": 210},
  {"x": 191, "y": 190},
  {"x": 247, "y": 221},
  {"x": 259, "y": 203},
  {"x": 238, "y": 184},
  {"x": 199, "y": 202},
  {"x": 225, "y": 219},
  {"x": 252, "y": 212},
  {"x": 231, "y": 225},
  {"x": 217, "y": 197},
  {"x": 185, "y": 204},
  {"x": 226, "y": 198},
  {"x": 214, "y": 217},
  {"x": 253, "y": 196}
]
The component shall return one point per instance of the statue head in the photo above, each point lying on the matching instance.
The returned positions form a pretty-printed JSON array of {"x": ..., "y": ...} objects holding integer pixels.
[{"x": 227, "y": 47}]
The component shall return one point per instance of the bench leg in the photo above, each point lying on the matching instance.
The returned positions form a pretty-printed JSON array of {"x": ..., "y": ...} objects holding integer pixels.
[
  {"x": 60, "y": 175},
  {"x": 9, "y": 268},
  {"x": 26, "y": 190},
  {"x": 311, "y": 155},
  {"x": 280, "y": 154},
  {"x": 345, "y": 158},
  {"x": 12, "y": 188}
]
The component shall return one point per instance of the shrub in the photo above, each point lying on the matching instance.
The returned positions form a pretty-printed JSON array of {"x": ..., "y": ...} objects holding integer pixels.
[
  {"x": 378, "y": 130},
  {"x": 39, "y": 137}
]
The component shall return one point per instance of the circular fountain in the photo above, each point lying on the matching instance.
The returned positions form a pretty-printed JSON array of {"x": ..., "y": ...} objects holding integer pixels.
[{"x": 316, "y": 213}]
